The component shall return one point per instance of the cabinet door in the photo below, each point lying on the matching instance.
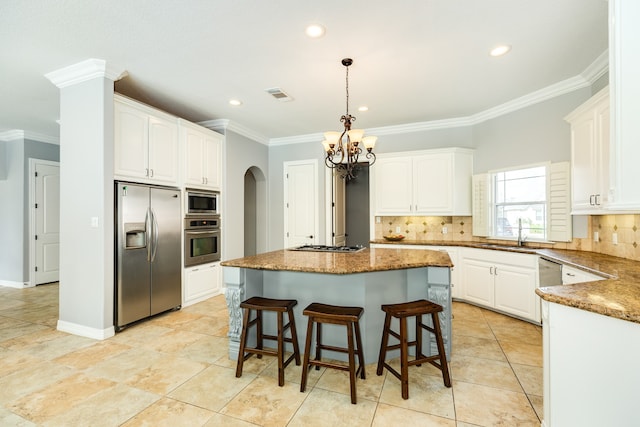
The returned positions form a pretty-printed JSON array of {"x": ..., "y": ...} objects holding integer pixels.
[
  {"x": 432, "y": 184},
  {"x": 393, "y": 186},
  {"x": 602, "y": 152},
  {"x": 131, "y": 135},
  {"x": 515, "y": 291},
  {"x": 193, "y": 146},
  {"x": 163, "y": 150},
  {"x": 583, "y": 170},
  {"x": 201, "y": 282},
  {"x": 212, "y": 159},
  {"x": 478, "y": 282}
]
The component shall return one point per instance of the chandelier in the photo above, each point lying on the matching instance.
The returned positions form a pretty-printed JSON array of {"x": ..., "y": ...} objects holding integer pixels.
[{"x": 343, "y": 149}]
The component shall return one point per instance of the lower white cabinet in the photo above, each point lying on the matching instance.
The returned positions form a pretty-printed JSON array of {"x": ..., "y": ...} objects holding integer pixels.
[
  {"x": 201, "y": 282},
  {"x": 502, "y": 281}
]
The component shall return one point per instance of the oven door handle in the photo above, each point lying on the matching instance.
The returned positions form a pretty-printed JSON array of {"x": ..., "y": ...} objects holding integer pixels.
[{"x": 202, "y": 232}]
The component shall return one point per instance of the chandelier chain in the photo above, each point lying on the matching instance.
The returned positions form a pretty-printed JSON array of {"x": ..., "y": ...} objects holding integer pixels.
[{"x": 347, "y": 88}]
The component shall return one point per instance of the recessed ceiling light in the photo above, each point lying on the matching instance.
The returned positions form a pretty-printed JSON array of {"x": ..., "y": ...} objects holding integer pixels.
[
  {"x": 363, "y": 108},
  {"x": 315, "y": 31},
  {"x": 500, "y": 50},
  {"x": 235, "y": 102}
]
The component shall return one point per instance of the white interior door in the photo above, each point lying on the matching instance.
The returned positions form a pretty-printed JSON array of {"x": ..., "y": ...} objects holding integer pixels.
[
  {"x": 301, "y": 203},
  {"x": 339, "y": 210},
  {"x": 47, "y": 223}
]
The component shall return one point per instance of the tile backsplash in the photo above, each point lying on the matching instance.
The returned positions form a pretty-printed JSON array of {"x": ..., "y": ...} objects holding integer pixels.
[{"x": 626, "y": 228}]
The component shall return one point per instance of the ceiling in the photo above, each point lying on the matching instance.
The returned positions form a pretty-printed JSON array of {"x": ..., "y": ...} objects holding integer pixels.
[{"x": 414, "y": 60}]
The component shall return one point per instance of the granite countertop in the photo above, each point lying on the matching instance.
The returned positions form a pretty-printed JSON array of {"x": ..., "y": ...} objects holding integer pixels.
[
  {"x": 618, "y": 295},
  {"x": 367, "y": 260}
]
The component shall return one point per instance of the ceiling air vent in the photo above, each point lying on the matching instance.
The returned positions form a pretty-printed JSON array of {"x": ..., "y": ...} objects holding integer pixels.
[{"x": 278, "y": 94}]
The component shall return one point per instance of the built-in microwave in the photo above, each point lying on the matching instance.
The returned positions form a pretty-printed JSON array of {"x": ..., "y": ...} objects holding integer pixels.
[{"x": 201, "y": 202}]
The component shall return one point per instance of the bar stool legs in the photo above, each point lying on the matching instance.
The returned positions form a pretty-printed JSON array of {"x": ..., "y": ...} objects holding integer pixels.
[
  {"x": 337, "y": 315},
  {"x": 259, "y": 304},
  {"x": 401, "y": 311}
]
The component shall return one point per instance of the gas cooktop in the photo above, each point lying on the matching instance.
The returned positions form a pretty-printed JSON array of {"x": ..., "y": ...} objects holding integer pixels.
[{"x": 324, "y": 248}]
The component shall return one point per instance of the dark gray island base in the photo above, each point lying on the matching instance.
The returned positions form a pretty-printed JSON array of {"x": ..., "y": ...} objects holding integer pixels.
[{"x": 365, "y": 279}]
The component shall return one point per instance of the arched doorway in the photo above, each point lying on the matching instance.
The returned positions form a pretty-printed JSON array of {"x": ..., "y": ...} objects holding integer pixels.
[{"x": 255, "y": 212}]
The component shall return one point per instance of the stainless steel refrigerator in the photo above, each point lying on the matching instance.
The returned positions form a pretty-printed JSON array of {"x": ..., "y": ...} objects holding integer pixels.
[{"x": 148, "y": 261}]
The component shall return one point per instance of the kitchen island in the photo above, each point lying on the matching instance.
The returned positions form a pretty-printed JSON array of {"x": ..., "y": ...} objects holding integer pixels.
[{"x": 368, "y": 279}]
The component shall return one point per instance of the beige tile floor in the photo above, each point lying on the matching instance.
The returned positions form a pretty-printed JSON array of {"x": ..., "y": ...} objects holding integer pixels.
[{"x": 173, "y": 370}]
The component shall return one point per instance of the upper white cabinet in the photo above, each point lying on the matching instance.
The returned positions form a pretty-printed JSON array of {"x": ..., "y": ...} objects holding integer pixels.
[
  {"x": 202, "y": 156},
  {"x": 624, "y": 73},
  {"x": 430, "y": 182},
  {"x": 590, "y": 154},
  {"x": 146, "y": 143}
]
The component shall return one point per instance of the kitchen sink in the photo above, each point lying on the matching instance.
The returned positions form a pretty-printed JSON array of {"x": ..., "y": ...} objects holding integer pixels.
[{"x": 507, "y": 247}]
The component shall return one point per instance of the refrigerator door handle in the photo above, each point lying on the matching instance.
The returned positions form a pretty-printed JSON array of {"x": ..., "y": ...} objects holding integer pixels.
[
  {"x": 155, "y": 235},
  {"x": 147, "y": 225}
]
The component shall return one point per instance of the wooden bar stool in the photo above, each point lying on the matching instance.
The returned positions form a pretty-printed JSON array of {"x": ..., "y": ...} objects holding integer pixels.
[
  {"x": 337, "y": 315},
  {"x": 401, "y": 311},
  {"x": 279, "y": 306}
]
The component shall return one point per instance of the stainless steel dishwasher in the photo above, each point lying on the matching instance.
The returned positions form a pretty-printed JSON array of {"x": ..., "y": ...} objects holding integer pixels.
[{"x": 549, "y": 273}]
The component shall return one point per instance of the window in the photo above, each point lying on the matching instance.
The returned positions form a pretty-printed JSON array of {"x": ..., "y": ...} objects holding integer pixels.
[
  {"x": 537, "y": 198},
  {"x": 520, "y": 203}
]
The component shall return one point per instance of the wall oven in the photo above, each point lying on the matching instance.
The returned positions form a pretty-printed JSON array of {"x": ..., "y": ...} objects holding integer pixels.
[
  {"x": 201, "y": 202},
  {"x": 202, "y": 242}
]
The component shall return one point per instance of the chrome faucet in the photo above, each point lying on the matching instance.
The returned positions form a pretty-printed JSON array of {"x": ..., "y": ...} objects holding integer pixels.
[{"x": 520, "y": 238}]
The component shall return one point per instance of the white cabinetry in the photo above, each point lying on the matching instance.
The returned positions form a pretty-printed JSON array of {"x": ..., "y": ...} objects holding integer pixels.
[
  {"x": 572, "y": 275},
  {"x": 201, "y": 282},
  {"x": 431, "y": 182},
  {"x": 501, "y": 280},
  {"x": 202, "y": 156},
  {"x": 590, "y": 154},
  {"x": 146, "y": 143},
  {"x": 624, "y": 75}
]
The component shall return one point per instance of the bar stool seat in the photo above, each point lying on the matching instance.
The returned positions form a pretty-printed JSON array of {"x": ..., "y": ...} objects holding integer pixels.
[
  {"x": 337, "y": 315},
  {"x": 279, "y": 306},
  {"x": 402, "y": 311}
]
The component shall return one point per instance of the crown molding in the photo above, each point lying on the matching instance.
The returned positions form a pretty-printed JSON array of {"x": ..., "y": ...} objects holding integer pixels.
[
  {"x": 17, "y": 134},
  {"x": 592, "y": 73},
  {"x": 597, "y": 68},
  {"x": 86, "y": 70},
  {"x": 223, "y": 125}
]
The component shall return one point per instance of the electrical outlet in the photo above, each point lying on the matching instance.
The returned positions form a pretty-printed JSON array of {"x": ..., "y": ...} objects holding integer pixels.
[
  {"x": 614, "y": 238},
  {"x": 398, "y": 230},
  {"x": 596, "y": 236},
  {"x": 95, "y": 222},
  {"x": 444, "y": 230},
  {"x": 377, "y": 220}
]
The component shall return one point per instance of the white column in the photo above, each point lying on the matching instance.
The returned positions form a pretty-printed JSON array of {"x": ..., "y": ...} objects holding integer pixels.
[{"x": 86, "y": 197}]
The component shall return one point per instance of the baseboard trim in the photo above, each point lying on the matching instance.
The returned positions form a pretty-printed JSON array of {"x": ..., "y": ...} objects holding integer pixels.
[
  {"x": 10, "y": 284},
  {"x": 85, "y": 331}
]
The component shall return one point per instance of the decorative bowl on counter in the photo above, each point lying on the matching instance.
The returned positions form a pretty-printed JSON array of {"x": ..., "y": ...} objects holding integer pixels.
[{"x": 393, "y": 237}]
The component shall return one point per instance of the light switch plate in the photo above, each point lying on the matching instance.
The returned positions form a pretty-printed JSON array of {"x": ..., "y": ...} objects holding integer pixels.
[
  {"x": 94, "y": 222},
  {"x": 614, "y": 238},
  {"x": 596, "y": 236}
]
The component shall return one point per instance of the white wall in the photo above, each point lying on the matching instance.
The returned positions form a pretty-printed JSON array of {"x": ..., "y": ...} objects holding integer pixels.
[
  {"x": 534, "y": 134},
  {"x": 12, "y": 215},
  {"x": 241, "y": 154}
]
